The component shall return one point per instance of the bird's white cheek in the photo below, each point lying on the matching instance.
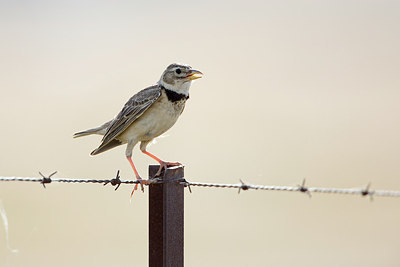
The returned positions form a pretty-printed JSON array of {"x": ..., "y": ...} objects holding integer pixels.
[{"x": 180, "y": 87}]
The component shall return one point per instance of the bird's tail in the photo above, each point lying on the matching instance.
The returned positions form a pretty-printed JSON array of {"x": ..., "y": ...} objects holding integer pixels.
[{"x": 101, "y": 130}]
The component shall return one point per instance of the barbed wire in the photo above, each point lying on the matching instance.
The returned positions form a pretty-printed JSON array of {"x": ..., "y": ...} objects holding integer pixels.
[
  {"x": 47, "y": 179},
  {"x": 304, "y": 189},
  {"x": 366, "y": 191}
]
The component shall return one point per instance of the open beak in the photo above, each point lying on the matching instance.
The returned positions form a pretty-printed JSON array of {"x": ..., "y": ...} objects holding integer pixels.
[{"x": 194, "y": 74}]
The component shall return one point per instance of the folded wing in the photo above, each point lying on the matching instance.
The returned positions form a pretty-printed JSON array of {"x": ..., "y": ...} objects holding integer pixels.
[{"x": 132, "y": 110}]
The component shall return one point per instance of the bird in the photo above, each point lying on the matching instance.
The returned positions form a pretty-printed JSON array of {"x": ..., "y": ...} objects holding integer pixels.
[{"x": 147, "y": 115}]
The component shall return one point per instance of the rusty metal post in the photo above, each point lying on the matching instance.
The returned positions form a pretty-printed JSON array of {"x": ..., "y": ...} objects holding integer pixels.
[{"x": 166, "y": 219}]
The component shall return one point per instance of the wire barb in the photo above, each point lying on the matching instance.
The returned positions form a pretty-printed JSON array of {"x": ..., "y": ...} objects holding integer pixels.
[
  {"x": 46, "y": 180},
  {"x": 367, "y": 192},
  {"x": 114, "y": 182},
  {"x": 243, "y": 186},
  {"x": 186, "y": 184},
  {"x": 302, "y": 188}
]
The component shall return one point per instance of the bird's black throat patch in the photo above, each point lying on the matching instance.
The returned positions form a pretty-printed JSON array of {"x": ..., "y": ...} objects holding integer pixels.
[{"x": 174, "y": 96}]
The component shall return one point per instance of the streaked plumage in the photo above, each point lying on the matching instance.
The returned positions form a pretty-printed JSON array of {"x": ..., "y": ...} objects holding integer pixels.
[{"x": 132, "y": 110}]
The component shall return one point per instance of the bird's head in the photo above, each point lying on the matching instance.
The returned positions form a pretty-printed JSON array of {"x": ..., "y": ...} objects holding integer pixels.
[{"x": 178, "y": 77}]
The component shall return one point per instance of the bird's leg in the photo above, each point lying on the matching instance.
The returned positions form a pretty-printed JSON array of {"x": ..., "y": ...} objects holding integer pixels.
[
  {"x": 137, "y": 176},
  {"x": 163, "y": 164}
]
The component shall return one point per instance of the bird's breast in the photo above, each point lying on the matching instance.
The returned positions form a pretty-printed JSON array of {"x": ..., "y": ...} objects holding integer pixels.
[{"x": 156, "y": 120}]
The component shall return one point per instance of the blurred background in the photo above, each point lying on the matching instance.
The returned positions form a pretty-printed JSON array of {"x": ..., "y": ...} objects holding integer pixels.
[{"x": 291, "y": 90}]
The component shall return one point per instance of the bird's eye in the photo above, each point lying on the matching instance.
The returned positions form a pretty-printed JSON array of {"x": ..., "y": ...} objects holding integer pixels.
[{"x": 178, "y": 71}]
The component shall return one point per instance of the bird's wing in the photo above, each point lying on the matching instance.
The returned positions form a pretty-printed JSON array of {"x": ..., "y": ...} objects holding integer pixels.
[{"x": 132, "y": 110}]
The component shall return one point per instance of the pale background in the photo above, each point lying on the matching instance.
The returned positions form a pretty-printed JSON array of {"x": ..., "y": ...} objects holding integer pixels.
[{"x": 292, "y": 89}]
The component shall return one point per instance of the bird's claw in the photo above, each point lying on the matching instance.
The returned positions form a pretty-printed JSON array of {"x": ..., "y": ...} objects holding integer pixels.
[
  {"x": 151, "y": 181},
  {"x": 164, "y": 165},
  {"x": 141, "y": 185},
  {"x": 141, "y": 182}
]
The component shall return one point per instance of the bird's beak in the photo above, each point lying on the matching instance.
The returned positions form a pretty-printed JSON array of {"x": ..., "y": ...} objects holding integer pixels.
[{"x": 194, "y": 74}]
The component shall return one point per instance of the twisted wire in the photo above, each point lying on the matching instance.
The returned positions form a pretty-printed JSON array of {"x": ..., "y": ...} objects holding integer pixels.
[
  {"x": 47, "y": 179},
  {"x": 63, "y": 180},
  {"x": 240, "y": 186},
  {"x": 301, "y": 188}
]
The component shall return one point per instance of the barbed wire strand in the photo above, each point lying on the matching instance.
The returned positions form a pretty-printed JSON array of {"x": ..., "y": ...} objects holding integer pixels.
[{"x": 241, "y": 186}]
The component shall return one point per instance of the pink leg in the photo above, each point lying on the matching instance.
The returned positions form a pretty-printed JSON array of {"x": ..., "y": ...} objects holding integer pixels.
[{"x": 137, "y": 176}]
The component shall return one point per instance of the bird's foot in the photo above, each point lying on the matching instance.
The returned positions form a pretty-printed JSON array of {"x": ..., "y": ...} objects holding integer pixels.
[
  {"x": 143, "y": 182},
  {"x": 151, "y": 181},
  {"x": 164, "y": 165}
]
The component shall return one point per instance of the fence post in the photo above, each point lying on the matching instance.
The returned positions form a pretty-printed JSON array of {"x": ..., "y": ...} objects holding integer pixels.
[{"x": 166, "y": 219}]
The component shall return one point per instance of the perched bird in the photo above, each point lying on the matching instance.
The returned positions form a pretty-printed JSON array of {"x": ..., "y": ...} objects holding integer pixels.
[{"x": 147, "y": 114}]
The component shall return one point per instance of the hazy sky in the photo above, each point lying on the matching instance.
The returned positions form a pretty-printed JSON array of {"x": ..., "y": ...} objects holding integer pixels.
[{"x": 292, "y": 90}]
